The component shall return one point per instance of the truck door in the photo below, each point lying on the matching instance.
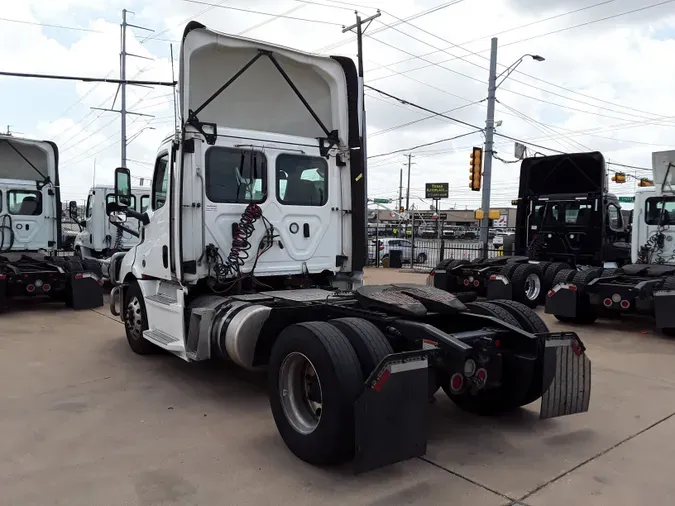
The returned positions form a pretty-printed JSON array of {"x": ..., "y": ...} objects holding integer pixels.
[
  {"x": 154, "y": 250},
  {"x": 29, "y": 212},
  {"x": 88, "y": 232}
]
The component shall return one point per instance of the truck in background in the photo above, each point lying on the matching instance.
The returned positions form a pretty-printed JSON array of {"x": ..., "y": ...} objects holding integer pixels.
[
  {"x": 98, "y": 239},
  {"x": 566, "y": 218},
  {"x": 253, "y": 251},
  {"x": 32, "y": 264},
  {"x": 644, "y": 286}
]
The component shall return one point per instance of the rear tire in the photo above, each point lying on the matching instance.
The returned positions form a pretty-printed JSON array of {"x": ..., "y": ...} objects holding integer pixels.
[
  {"x": 369, "y": 343},
  {"x": 326, "y": 437},
  {"x": 527, "y": 284},
  {"x": 136, "y": 321},
  {"x": 551, "y": 272},
  {"x": 92, "y": 266},
  {"x": 531, "y": 322}
]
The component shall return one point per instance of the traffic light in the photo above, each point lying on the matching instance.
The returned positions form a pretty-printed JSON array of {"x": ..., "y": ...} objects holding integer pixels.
[
  {"x": 619, "y": 177},
  {"x": 645, "y": 182},
  {"x": 401, "y": 209},
  {"x": 476, "y": 169}
]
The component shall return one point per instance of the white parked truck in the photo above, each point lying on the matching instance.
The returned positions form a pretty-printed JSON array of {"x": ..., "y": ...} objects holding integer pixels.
[
  {"x": 253, "y": 248},
  {"x": 98, "y": 239},
  {"x": 31, "y": 262}
]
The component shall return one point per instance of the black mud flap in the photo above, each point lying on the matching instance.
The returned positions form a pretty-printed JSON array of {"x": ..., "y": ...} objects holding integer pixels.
[
  {"x": 499, "y": 287},
  {"x": 664, "y": 302},
  {"x": 84, "y": 290},
  {"x": 570, "y": 390},
  {"x": 3, "y": 292},
  {"x": 391, "y": 413},
  {"x": 562, "y": 300}
]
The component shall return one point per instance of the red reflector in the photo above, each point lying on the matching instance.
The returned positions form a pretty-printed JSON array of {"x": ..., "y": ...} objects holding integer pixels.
[
  {"x": 46, "y": 287},
  {"x": 456, "y": 382},
  {"x": 572, "y": 288},
  {"x": 25, "y": 276},
  {"x": 2, "y": 276},
  {"x": 476, "y": 283},
  {"x": 79, "y": 275},
  {"x": 30, "y": 288},
  {"x": 498, "y": 343},
  {"x": 607, "y": 302},
  {"x": 466, "y": 282},
  {"x": 575, "y": 348},
  {"x": 625, "y": 304},
  {"x": 551, "y": 293},
  {"x": 381, "y": 380},
  {"x": 493, "y": 277},
  {"x": 481, "y": 374}
]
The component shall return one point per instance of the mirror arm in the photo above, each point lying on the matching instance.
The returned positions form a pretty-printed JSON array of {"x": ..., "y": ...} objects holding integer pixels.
[{"x": 142, "y": 217}]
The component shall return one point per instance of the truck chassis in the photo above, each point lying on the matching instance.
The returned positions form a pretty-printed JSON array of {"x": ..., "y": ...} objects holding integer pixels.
[{"x": 26, "y": 275}]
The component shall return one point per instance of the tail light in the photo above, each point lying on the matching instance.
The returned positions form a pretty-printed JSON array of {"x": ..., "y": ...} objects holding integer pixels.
[
  {"x": 625, "y": 304},
  {"x": 30, "y": 288},
  {"x": 46, "y": 287}
]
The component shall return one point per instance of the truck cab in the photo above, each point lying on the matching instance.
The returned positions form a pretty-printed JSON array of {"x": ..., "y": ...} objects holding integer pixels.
[
  {"x": 565, "y": 213},
  {"x": 31, "y": 264},
  {"x": 98, "y": 238}
]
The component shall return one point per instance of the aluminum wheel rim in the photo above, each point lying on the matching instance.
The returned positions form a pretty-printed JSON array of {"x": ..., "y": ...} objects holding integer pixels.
[
  {"x": 532, "y": 286},
  {"x": 134, "y": 318},
  {"x": 300, "y": 393}
]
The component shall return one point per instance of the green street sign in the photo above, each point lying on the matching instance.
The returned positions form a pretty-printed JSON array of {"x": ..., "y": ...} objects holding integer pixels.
[
  {"x": 382, "y": 201},
  {"x": 627, "y": 199}
]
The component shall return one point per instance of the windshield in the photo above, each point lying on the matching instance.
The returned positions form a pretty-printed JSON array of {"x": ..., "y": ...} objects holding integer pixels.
[{"x": 574, "y": 213}]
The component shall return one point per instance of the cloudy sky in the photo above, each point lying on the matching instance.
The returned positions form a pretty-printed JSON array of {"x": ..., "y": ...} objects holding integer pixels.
[{"x": 606, "y": 82}]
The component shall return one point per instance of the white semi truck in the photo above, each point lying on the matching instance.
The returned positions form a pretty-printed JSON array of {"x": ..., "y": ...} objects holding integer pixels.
[
  {"x": 98, "y": 239},
  {"x": 253, "y": 248},
  {"x": 32, "y": 264}
]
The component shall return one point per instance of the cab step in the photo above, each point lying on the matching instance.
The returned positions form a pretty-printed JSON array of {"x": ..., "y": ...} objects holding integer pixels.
[{"x": 165, "y": 341}]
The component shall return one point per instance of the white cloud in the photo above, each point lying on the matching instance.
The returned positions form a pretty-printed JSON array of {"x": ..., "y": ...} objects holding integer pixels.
[{"x": 608, "y": 79}]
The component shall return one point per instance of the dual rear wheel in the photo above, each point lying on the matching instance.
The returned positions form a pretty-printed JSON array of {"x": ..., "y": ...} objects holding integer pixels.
[{"x": 316, "y": 372}]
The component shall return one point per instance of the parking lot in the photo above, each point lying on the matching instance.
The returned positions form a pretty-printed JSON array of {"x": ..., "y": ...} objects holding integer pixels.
[{"x": 86, "y": 422}]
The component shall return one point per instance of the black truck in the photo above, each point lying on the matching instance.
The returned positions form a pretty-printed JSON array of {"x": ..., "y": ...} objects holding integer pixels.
[{"x": 565, "y": 219}]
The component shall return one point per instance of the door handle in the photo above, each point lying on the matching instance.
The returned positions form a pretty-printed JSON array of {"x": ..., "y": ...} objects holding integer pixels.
[
  {"x": 165, "y": 256},
  {"x": 305, "y": 229}
]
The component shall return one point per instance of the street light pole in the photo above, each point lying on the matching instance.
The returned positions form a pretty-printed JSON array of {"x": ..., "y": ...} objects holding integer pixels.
[{"x": 489, "y": 134}]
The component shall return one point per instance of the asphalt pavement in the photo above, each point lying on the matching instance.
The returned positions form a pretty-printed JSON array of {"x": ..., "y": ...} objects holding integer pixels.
[{"x": 87, "y": 422}]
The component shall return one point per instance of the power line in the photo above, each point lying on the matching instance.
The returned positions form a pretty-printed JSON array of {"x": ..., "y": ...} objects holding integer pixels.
[
  {"x": 403, "y": 101},
  {"x": 426, "y": 144},
  {"x": 516, "y": 42},
  {"x": 319, "y": 21},
  {"x": 463, "y": 58},
  {"x": 47, "y": 25},
  {"x": 409, "y": 18}
]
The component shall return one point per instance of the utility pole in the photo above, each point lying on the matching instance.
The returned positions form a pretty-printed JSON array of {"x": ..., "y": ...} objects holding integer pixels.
[
  {"x": 489, "y": 136},
  {"x": 122, "y": 89},
  {"x": 400, "y": 190},
  {"x": 359, "y": 44},
  {"x": 407, "y": 194}
]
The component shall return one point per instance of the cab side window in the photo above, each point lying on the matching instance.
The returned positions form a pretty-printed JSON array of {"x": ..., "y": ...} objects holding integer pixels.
[
  {"x": 24, "y": 202},
  {"x": 145, "y": 202},
  {"x": 160, "y": 181},
  {"x": 90, "y": 206}
]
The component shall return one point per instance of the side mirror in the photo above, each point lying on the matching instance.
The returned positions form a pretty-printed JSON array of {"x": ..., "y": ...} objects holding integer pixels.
[
  {"x": 72, "y": 208},
  {"x": 123, "y": 186},
  {"x": 118, "y": 217}
]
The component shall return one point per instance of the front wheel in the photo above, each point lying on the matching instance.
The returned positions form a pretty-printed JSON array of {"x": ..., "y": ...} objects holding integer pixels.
[
  {"x": 136, "y": 321},
  {"x": 314, "y": 380}
]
